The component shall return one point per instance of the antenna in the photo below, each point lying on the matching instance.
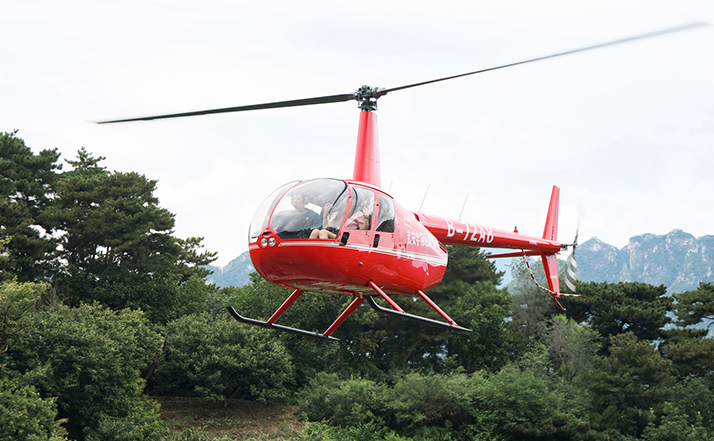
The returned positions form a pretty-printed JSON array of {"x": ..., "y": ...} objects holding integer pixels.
[
  {"x": 425, "y": 193},
  {"x": 464, "y": 206}
]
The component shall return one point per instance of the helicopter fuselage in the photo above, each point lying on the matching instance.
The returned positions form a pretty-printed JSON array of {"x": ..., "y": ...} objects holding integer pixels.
[{"x": 390, "y": 247}]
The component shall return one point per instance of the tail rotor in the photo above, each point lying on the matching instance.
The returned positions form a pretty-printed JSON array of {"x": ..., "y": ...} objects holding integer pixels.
[{"x": 571, "y": 270}]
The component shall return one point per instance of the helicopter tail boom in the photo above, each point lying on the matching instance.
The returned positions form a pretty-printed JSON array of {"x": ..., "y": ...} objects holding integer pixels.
[{"x": 458, "y": 232}]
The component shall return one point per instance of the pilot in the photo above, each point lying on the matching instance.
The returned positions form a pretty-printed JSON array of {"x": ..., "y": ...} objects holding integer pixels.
[{"x": 308, "y": 219}]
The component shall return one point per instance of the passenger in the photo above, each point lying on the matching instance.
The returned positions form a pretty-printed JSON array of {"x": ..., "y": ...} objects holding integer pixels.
[
  {"x": 331, "y": 220},
  {"x": 360, "y": 220}
]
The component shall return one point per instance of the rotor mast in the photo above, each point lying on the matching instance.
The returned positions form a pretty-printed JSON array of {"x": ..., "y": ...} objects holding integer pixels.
[{"x": 367, "y": 165}]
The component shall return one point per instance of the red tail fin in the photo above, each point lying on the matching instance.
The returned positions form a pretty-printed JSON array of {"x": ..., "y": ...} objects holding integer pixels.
[
  {"x": 550, "y": 261},
  {"x": 551, "y": 221}
]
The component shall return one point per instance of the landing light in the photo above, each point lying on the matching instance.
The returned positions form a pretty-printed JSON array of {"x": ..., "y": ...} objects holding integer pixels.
[{"x": 263, "y": 242}]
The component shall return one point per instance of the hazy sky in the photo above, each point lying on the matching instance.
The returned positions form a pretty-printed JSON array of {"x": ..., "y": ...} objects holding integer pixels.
[{"x": 626, "y": 132}]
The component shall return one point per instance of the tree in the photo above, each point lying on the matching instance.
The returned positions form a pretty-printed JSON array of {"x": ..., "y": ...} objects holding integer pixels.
[
  {"x": 91, "y": 359},
  {"x": 117, "y": 244},
  {"x": 572, "y": 347},
  {"x": 674, "y": 426},
  {"x": 220, "y": 359},
  {"x": 26, "y": 185},
  {"x": 615, "y": 308},
  {"x": 695, "y": 307},
  {"x": 531, "y": 307},
  {"x": 690, "y": 356},
  {"x": 18, "y": 302},
  {"x": 483, "y": 309},
  {"x": 633, "y": 379},
  {"x": 469, "y": 295},
  {"x": 25, "y": 416}
]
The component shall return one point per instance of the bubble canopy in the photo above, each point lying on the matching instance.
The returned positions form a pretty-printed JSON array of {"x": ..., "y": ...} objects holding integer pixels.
[{"x": 294, "y": 210}]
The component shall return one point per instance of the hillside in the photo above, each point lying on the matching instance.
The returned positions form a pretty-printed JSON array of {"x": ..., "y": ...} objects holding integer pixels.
[
  {"x": 677, "y": 260},
  {"x": 236, "y": 273}
]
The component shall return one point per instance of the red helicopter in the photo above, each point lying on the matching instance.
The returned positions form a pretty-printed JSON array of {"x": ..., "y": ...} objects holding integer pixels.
[{"x": 350, "y": 237}]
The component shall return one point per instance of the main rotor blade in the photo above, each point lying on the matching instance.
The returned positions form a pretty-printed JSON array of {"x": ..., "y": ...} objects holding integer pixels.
[
  {"x": 372, "y": 94},
  {"x": 559, "y": 54},
  {"x": 291, "y": 103}
]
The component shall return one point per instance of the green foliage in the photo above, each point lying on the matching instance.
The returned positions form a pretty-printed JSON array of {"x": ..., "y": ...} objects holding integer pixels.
[
  {"x": 695, "y": 398},
  {"x": 219, "y": 358},
  {"x": 26, "y": 182},
  {"x": 319, "y": 431},
  {"x": 18, "y": 304},
  {"x": 633, "y": 379},
  {"x": 470, "y": 265},
  {"x": 421, "y": 401},
  {"x": 114, "y": 227},
  {"x": 115, "y": 242},
  {"x": 615, "y": 308},
  {"x": 90, "y": 358},
  {"x": 531, "y": 307},
  {"x": 141, "y": 422},
  {"x": 675, "y": 426},
  {"x": 483, "y": 309},
  {"x": 691, "y": 356},
  {"x": 25, "y": 416},
  {"x": 573, "y": 347},
  {"x": 348, "y": 402},
  {"x": 695, "y": 307},
  {"x": 528, "y": 404}
]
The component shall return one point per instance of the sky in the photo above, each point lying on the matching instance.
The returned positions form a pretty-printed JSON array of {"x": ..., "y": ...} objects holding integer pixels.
[{"x": 626, "y": 132}]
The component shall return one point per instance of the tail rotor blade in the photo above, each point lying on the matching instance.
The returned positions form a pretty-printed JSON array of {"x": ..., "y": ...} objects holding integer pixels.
[{"x": 571, "y": 270}]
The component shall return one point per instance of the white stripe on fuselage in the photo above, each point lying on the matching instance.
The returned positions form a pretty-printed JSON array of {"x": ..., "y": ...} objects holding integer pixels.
[{"x": 426, "y": 258}]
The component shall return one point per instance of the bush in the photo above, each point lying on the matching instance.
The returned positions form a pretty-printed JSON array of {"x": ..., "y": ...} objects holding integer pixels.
[
  {"x": 24, "y": 415},
  {"x": 90, "y": 358},
  {"x": 218, "y": 358},
  {"x": 431, "y": 400},
  {"x": 348, "y": 402}
]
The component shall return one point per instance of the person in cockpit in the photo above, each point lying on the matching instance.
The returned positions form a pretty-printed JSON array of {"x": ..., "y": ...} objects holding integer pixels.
[
  {"x": 307, "y": 220},
  {"x": 331, "y": 221}
]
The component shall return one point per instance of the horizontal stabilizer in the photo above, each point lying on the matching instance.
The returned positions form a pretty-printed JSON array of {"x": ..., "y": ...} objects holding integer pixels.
[{"x": 514, "y": 254}]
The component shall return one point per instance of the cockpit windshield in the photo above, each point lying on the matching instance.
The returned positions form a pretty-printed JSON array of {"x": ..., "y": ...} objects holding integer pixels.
[
  {"x": 261, "y": 216},
  {"x": 310, "y": 208}
]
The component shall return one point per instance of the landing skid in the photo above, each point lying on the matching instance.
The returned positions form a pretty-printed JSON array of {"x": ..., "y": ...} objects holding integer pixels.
[
  {"x": 270, "y": 324},
  {"x": 451, "y": 325},
  {"x": 253, "y": 322}
]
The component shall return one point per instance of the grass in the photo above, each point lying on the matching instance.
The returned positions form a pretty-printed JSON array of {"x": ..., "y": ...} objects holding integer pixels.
[{"x": 237, "y": 420}]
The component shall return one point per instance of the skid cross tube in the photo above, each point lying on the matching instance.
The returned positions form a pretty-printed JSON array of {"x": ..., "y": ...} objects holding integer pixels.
[{"x": 400, "y": 313}]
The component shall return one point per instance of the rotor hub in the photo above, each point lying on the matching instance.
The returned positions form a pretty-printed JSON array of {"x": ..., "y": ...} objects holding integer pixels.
[{"x": 367, "y": 97}]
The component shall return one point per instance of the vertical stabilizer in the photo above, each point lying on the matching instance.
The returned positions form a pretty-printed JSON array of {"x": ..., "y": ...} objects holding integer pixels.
[
  {"x": 550, "y": 261},
  {"x": 551, "y": 221}
]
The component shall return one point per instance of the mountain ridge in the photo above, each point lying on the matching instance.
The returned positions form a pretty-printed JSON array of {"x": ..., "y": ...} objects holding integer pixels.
[{"x": 677, "y": 260}]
